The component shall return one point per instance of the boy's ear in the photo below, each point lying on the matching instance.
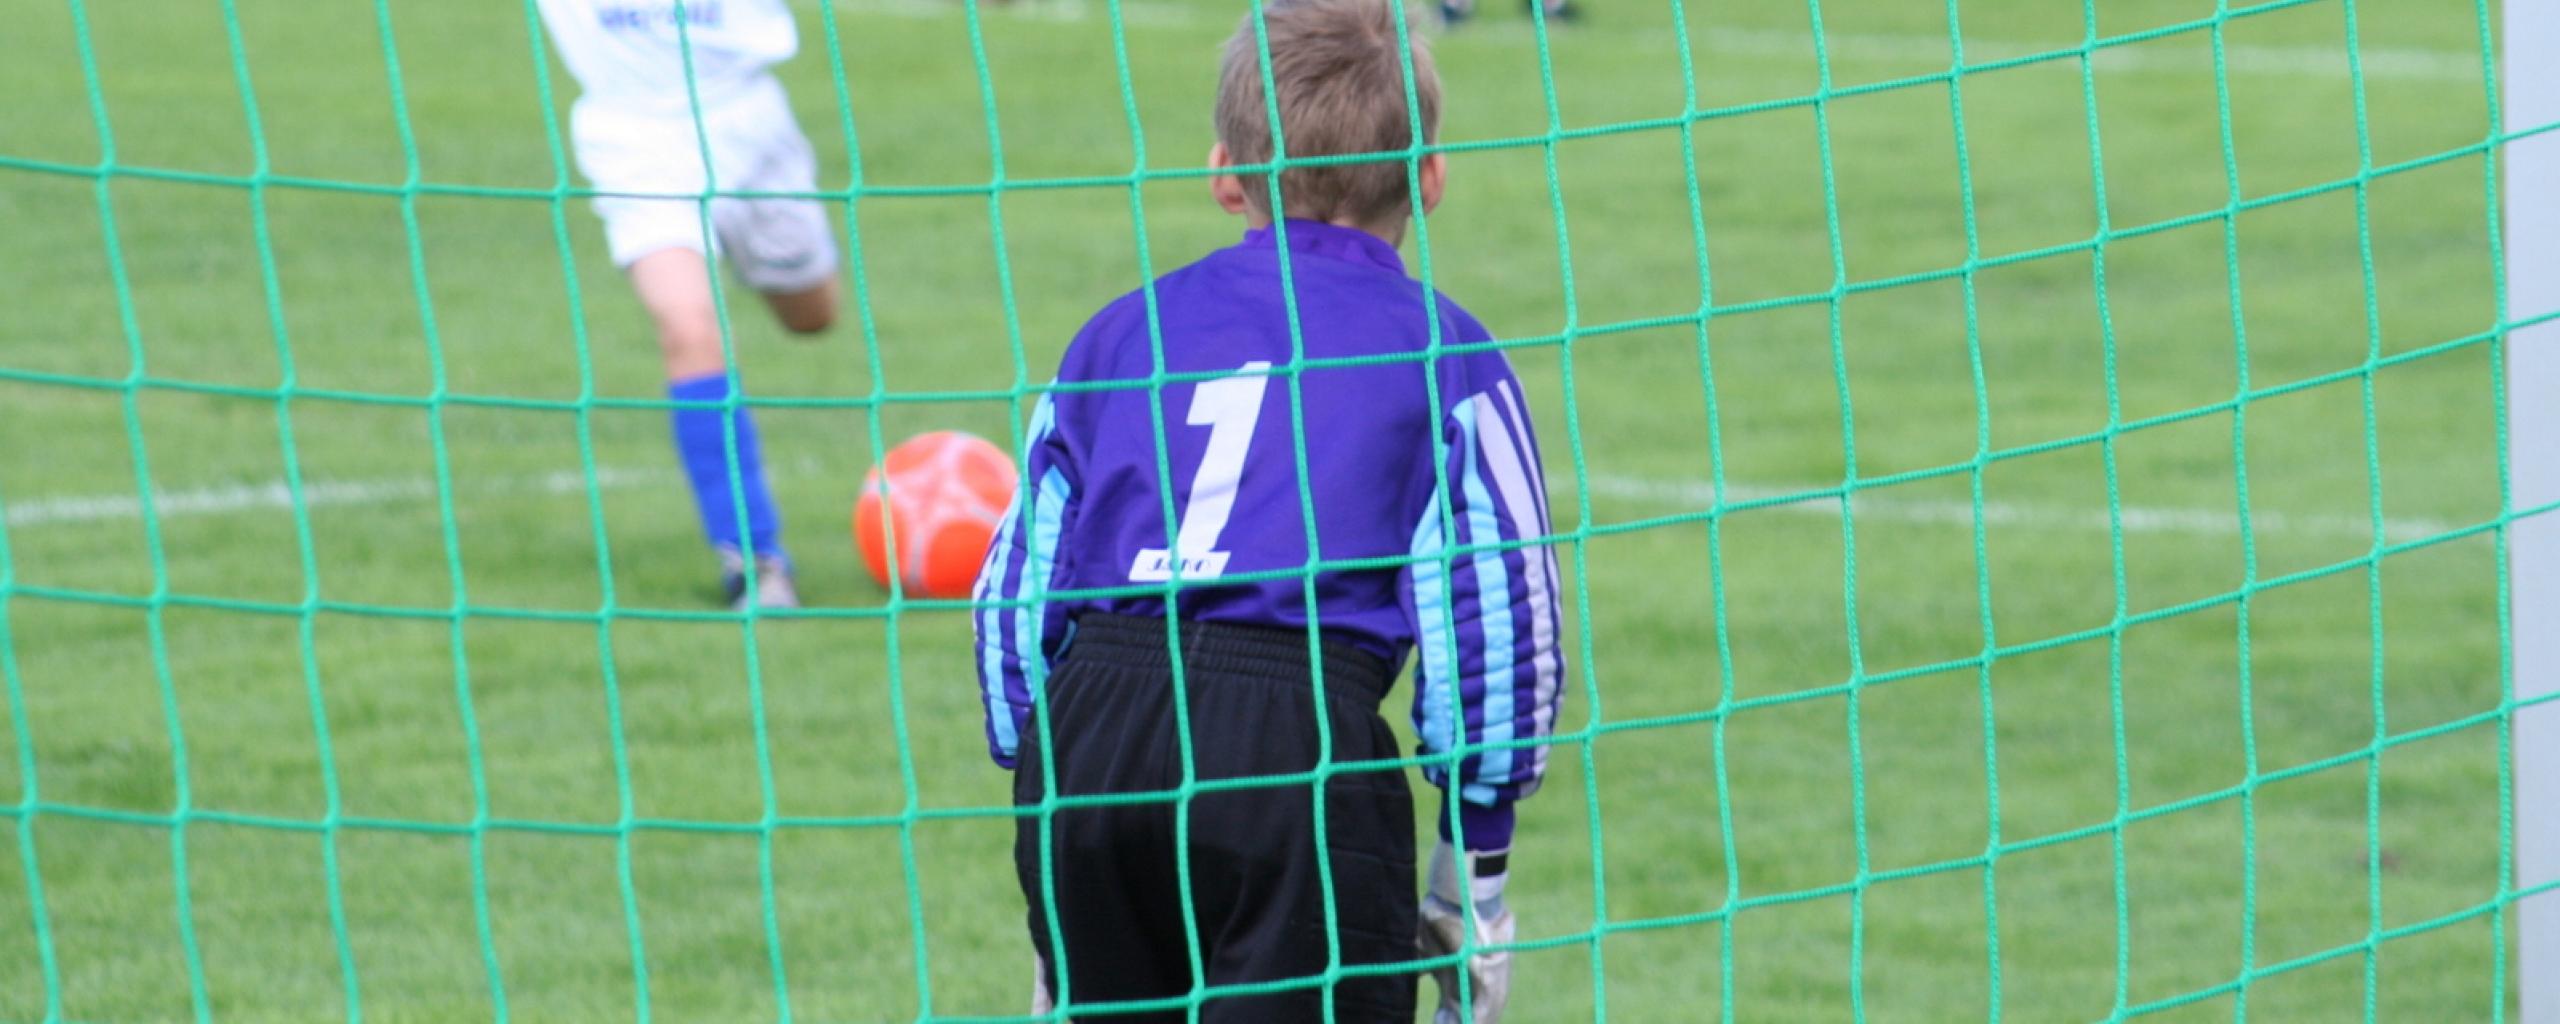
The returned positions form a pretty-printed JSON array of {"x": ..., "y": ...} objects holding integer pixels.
[
  {"x": 1434, "y": 175},
  {"x": 1227, "y": 189}
]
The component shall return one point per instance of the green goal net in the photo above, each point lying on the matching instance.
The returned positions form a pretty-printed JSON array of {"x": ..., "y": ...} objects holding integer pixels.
[{"x": 2028, "y": 479}]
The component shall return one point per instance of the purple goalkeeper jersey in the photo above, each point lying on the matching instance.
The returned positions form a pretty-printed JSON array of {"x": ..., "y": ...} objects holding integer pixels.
[{"x": 1425, "y": 463}]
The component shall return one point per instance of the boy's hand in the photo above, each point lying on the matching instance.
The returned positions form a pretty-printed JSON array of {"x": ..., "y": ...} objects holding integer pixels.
[
  {"x": 1444, "y": 932},
  {"x": 1488, "y": 973}
]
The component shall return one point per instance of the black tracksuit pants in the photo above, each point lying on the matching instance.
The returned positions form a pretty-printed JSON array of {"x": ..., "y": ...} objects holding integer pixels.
[{"x": 1256, "y": 897}]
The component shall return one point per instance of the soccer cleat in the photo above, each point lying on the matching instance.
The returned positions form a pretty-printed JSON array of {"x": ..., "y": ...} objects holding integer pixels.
[{"x": 773, "y": 588}]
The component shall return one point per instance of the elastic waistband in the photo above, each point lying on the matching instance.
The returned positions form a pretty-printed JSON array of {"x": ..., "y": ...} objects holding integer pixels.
[{"x": 1262, "y": 652}]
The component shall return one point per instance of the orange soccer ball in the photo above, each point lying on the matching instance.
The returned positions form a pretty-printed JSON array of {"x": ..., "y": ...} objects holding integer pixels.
[{"x": 942, "y": 494}]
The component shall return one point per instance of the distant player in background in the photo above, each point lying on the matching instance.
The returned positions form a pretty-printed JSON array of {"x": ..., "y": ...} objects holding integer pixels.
[
  {"x": 1557, "y": 11},
  {"x": 641, "y": 130},
  {"x": 1423, "y": 460}
]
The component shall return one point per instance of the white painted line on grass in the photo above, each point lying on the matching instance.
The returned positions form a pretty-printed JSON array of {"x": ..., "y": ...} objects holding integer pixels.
[
  {"x": 2190, "y": 53},
  {"x": 1688, "y": 495},
  {"x": 2185, "y": 53},
  {"x": 229, "y": 498},
  {"x": 1698, "y": 495}
]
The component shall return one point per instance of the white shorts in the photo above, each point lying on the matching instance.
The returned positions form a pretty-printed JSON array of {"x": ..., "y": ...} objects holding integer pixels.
[{"x": 648, "y": 165}]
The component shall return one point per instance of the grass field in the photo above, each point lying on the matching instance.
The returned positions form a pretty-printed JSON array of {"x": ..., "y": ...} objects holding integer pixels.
[{"x": 2098, "y": 701}]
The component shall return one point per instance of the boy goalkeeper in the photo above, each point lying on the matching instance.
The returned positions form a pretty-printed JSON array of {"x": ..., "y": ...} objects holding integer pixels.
[
  {"x": 1421, "y": 460},
  {"x": 642, "y": 133}
]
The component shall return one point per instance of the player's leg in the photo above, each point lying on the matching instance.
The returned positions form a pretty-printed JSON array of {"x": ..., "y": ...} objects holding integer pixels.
[
  {"x": 783, "y": 247},
  {"x": 663, "y": 247},
  {"x": 807, "y": 310},
  {"x": 1265, "y": 917},
  {"x": 1109, "y": 872},
  {"x": 1273, "y": 923},
  {"x": 674, "y": 285},
  {"x": 1369, "y": 846}
]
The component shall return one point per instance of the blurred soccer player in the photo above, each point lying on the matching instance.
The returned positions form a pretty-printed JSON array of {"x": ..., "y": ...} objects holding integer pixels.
[
  {"x": 1423, "y": 461},
  {"x": 1557, "y": 12},
  {"x": 664, "y": 84}
]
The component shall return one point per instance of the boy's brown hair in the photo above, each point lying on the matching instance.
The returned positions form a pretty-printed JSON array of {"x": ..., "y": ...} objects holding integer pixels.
[{"x": 1340, "y": 76}]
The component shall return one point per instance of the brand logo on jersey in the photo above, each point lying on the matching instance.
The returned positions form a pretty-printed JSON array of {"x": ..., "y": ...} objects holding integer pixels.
[
  {"x": 641, "y": 17},
  {"x": 1155, "y": 565}
]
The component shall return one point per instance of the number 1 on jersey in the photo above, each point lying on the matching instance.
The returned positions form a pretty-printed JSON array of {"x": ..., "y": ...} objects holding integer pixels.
[{"x": 1229, "y": 407}]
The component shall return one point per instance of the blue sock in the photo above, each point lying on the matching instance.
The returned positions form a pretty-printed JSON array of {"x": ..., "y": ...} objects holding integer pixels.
[{"x": 703, "y": 445}]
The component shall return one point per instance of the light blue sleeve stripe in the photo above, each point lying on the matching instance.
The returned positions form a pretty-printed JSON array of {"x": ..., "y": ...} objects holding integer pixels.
[
  {"x": 1031, "y": 620},
  {"x": 1001, "y": 565},
  {"x": 1431, "y": 700},
  {"x": 1505, "y": 442},
  {"x": 991, "y": 645},
  {"x": 1493, "y": 610}
]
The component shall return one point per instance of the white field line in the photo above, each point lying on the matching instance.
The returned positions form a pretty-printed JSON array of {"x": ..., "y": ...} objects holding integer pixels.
[
  {"x": 2190, "y": 53},
  {"x": 1688, "y": 495},
  {"x": 231, "y": 498},
  {"x": 1698, "y": 495}
]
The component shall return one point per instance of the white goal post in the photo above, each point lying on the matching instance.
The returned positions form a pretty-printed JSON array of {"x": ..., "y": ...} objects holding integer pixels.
[{"x": 2530, "y": 96}]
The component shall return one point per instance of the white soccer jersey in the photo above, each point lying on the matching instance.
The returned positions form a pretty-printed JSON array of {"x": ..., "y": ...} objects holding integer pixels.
[{"x": 632, "y": 53}]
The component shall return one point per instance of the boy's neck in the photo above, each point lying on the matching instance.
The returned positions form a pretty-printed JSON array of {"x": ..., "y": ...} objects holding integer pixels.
[{"x": 1391, "y": 233}]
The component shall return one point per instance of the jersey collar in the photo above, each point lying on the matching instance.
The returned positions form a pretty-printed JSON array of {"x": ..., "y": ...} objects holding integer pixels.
[{"x": 1322, "y": 239}]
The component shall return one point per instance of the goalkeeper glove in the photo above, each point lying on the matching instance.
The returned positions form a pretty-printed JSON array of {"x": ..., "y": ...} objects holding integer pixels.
[{"x": 1445, "y": 931}]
